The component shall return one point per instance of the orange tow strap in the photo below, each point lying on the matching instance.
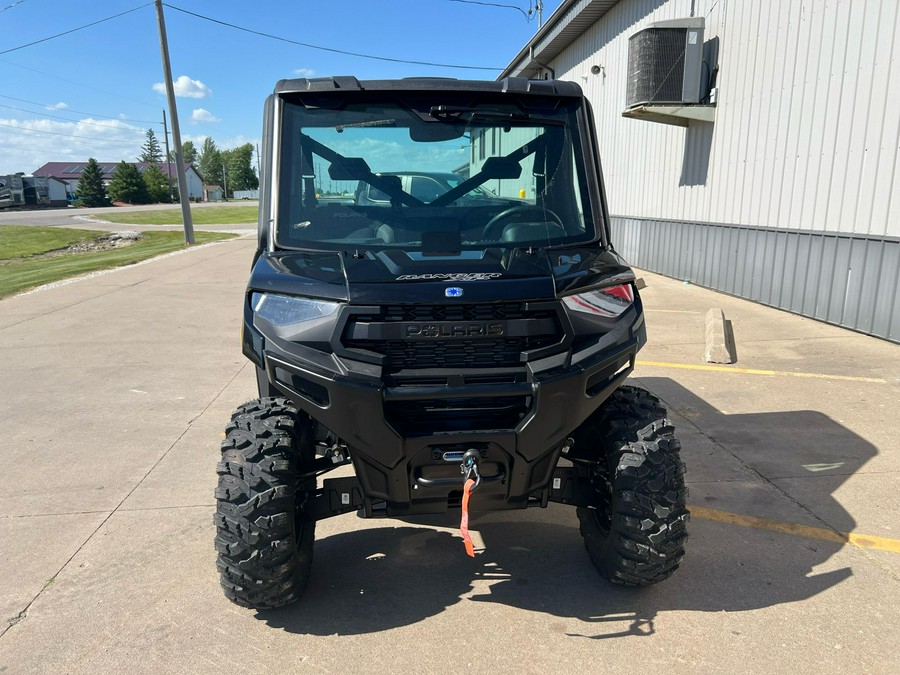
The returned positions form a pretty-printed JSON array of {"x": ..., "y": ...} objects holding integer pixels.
[{"x": 464, "y": 520}]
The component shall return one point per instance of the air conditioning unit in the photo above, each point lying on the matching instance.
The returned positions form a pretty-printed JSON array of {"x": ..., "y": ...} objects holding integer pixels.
[{"x": 664, "y": 63}]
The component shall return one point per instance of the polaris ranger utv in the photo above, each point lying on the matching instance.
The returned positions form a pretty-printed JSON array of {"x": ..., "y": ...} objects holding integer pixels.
[{"x": 466, "y": 344}]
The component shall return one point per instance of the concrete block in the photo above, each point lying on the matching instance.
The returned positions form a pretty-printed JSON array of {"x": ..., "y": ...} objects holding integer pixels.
[
  {"x": 720, "y": 345},
  {"x": 640, "y": 284}
]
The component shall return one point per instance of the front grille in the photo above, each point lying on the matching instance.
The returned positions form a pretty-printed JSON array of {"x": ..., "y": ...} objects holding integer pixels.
[
  {"x": 476, "y": 351},
  {"x": 483, "y": 353},
  {"x": 427, "y": 416}
]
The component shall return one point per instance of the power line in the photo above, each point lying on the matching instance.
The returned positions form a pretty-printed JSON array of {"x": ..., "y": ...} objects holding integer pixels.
[
  {"x": 527, "y": 14},
  {"x": 74, "y": 30},
  {"x": 325, "y": 49},
  {"x": 77, "y": 112},
  {"x": 11, "y": 6},
  {"x": 53, "y": 133},
  {"x": 80, "y": 84}
]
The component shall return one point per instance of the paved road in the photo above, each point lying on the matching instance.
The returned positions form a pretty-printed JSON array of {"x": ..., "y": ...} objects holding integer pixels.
[{"x": 114, "y": 392}]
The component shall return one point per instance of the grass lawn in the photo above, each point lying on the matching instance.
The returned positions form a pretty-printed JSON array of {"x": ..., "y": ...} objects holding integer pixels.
[
  {"x": 19, "y": 271},
  {"x": 19, "y": 241},
  {"x": 210, "y": 215}
]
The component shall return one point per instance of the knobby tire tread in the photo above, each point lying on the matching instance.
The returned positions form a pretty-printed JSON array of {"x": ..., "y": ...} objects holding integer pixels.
[
  {"x": 264, "y": 551},
  {"x": 640, "y": 539}
]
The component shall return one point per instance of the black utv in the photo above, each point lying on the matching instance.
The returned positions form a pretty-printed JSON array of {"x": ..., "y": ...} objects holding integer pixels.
[{"x": 471, "y": 342}]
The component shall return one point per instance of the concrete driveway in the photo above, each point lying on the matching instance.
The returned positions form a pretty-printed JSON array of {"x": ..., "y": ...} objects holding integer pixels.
[{"x": 113, "y": 395}]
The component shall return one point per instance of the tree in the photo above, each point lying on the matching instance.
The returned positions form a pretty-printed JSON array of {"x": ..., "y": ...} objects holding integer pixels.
[
  {"x": 157, "y": 183},
  {"x": 210, "y": 162},
  {"x": 188, "y": 151},
  {"x": 90, "y": 190},
  {"x": 127, "y": 185},
  {"x": 150, "y": 150},
  {"x": 239, "y": 167}
]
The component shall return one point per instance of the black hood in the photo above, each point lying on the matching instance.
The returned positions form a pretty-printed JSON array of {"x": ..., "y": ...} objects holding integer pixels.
[{"x": 397, "y": 276}]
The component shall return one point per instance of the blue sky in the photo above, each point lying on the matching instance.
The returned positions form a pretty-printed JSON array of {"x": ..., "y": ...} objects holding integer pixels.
[{"x": 95, "y": 92}]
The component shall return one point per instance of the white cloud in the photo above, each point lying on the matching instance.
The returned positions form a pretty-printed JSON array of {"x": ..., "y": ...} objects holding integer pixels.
[
  {"x": 185, "y": 87},
  {"x": 57, "y": 106},
  {"x": 196, "y": 139},
  {"x": 203, "y": 115},
  {"x": 234, "y": 141},
  {"x": 32, "y": 143},
  {"x": 304, "y": 72}
]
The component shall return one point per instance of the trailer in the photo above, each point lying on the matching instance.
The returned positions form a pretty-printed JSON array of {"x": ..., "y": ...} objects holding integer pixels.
[
  {"x": 44, "y": 191},
  {"x": 11, "y": 191}
]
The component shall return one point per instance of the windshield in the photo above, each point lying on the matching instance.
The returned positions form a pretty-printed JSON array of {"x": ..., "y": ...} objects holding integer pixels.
[{"x": 437, "y": 176}]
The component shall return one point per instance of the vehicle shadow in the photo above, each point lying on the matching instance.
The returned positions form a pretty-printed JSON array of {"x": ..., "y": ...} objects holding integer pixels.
[
  {"x": 375, "y": 579},
  {"x": 379, "y": 578},
  {"x": 802, "y": 451}
]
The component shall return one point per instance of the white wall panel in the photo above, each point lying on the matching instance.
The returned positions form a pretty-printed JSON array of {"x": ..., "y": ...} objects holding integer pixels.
[
  {"x": 807, "y": 130},
  {"x": 883, "y": 138}
]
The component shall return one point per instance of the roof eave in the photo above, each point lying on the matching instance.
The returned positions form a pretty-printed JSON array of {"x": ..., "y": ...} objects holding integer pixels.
[{"x": 567, "y": 23}]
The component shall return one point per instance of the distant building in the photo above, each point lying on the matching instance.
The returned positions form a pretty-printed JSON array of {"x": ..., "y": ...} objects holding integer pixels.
[
  {"x": 70, "y": 172},
  {"x": 213, "y": 193}
]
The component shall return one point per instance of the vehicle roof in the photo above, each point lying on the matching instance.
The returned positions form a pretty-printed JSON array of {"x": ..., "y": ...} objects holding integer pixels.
[{"x": 513, "y": 85}]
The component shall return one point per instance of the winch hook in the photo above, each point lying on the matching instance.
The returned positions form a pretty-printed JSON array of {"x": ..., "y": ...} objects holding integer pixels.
[{"x": 469, "y": 467}]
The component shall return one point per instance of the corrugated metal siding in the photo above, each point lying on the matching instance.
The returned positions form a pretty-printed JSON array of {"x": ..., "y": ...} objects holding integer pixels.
[
  {"x": 840, "y": 278},
  {"x": 807, "y": 130}
]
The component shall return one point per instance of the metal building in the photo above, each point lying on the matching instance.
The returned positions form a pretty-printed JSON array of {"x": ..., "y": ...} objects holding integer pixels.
[{"x": 781, "y": 185}]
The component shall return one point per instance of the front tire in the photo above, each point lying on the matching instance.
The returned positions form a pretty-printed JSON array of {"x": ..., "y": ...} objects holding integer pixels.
[
  {"x": 636, "y": 529},
  {"x": 265, "y": 548}
]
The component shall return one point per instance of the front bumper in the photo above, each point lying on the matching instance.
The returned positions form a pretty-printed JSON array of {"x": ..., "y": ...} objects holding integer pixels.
[{"x": 408, "y": 469}]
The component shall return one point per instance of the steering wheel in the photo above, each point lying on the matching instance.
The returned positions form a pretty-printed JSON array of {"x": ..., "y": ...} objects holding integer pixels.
[{"x": 494, "y": 229}]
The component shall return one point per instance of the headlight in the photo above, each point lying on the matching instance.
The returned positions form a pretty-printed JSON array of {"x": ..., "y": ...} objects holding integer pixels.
[
  {"x": 608, "y": 302},
  {"x": 285, "y": 310}
]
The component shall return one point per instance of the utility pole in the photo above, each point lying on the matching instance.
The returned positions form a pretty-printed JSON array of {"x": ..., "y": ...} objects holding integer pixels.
[
  {"x": 224, "y": 183},
  {"x": 168, "y": 158},
  {"x": 183, "y": 191}
]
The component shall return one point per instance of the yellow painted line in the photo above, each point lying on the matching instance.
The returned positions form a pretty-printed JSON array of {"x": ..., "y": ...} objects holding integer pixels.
[
  {"x": 754, "y": 371},
  {"x": 670, "y": 311},
  {"x": 859, "y": 540}
]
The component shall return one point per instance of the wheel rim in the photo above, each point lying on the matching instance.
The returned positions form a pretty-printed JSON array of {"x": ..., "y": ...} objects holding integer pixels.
[
  {"x": 603, "y": 512},
  {"x": 303, "y": 488},
  {"x": 302, "y": 492}
]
